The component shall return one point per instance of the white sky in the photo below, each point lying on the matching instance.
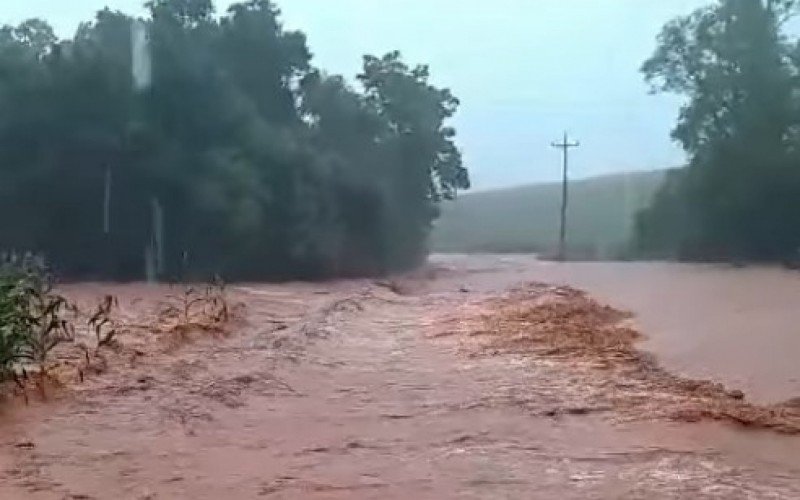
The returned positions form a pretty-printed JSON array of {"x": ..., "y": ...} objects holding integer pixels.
[{"x": 525, "y": 70}]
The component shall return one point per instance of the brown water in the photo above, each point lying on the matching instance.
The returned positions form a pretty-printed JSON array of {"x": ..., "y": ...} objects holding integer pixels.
[
  {"x": 338, "y": 391},
  {"x": 737, "y": 326}
]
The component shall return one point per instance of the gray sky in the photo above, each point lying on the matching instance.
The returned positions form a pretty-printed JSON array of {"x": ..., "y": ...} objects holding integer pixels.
[{"x": 525, "y": 70}]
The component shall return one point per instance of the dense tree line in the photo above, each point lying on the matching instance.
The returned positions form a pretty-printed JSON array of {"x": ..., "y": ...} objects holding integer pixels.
[
  {"x": 739, "y": 197},
  {"x": 221, "y": 132}
]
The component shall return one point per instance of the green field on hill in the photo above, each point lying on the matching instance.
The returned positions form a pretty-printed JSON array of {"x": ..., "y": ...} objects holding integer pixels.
[{"x": 526, "y": 218}]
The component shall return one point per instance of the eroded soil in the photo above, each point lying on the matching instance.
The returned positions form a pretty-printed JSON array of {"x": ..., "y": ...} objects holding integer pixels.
[{"x": 393, "y": 389}]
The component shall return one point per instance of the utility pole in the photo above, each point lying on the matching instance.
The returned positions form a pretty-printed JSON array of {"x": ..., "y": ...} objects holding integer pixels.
[{"x": 565, "y": 146}]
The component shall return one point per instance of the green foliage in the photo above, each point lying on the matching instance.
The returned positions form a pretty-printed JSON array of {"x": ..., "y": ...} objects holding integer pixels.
[
  {"x": 738, "y": 197},
  {"x": 265, "y": 166},
  {"x": 14, "y": 322},
  {"x": 31, "y": 316}
]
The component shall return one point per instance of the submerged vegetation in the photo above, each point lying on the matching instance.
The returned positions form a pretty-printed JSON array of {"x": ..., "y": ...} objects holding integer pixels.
[
  {"x": 42, "y": 334},
  {"x": 204, "y": 144}
]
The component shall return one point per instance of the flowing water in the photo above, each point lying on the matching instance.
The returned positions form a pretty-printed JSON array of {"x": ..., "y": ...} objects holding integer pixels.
[
  {"x": 341, "y": 390},
  {"x": 738, "y": 326}
]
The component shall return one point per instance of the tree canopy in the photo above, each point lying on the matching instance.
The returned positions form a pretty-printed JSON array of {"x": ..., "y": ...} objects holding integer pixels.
[
  {"x": 218, "y": 128},
  {"x": 740, "y": 125}
]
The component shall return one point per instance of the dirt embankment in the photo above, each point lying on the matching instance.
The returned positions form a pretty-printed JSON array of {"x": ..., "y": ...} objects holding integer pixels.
[{"x": 597, "y": 346}]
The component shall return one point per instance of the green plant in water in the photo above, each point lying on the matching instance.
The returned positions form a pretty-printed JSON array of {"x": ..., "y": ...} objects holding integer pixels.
[
  {"x": 32, "y": 320},
  {"x": 216, "y": 302},
  {"x": 15, "y": 323},
  {"x": 101, "y": 324}
]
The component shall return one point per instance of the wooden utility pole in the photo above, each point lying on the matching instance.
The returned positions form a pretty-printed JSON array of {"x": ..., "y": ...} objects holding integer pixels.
[{"x": 565, "y": 146}]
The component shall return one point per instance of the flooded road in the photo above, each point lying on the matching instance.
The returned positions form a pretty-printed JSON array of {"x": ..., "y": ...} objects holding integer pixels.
[
  {"x": 740, "y": 327},
  {"x": 345, "y": 390}
]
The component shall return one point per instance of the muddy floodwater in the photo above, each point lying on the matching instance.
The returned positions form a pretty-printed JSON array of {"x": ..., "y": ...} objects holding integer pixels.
[
  {"x": 738, "y": 326},
  {"x": 392, "y": 389}
]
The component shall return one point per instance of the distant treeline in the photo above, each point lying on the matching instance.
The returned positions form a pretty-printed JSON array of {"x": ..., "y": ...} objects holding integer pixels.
[
  {"x": 209, "y": 144},
  {"x": 739, "y": 198}
]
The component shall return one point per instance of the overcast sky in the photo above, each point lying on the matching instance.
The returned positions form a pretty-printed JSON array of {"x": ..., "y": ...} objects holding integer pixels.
[{"x": 524, "y": 70}]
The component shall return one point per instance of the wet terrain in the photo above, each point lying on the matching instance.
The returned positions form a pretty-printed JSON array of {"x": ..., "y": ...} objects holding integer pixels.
[
  {"x": 739, "y": 326},
  {"x": 361, "y": 390}
]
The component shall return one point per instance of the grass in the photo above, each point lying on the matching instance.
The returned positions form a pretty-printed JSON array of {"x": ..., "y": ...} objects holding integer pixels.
[{"x": 526, "y": 219}]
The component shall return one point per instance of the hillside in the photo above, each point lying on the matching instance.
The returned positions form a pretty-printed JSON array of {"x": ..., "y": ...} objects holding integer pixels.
[{"x": 526, "y": 218}]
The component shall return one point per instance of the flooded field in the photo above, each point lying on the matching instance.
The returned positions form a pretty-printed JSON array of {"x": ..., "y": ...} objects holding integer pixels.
[{"x": 391, "y": 389}]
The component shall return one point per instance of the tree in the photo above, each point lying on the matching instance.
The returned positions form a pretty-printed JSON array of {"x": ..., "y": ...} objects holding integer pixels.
[
  {"x": 732, "y": 62},
  {"x": 423, "y": 164},
  {"x": 263, "y": 166}
]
